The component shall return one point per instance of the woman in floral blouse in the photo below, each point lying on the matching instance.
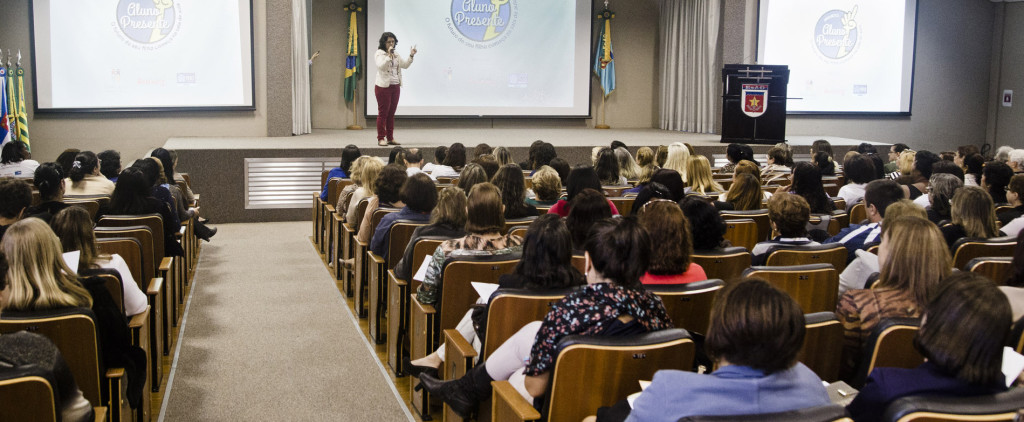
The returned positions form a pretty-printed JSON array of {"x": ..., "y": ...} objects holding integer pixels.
[{"x": 613, "y": 303}]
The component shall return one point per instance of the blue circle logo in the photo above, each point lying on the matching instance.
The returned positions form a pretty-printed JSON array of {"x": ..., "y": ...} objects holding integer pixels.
[
  {"x": 836, "y": 35},
  {"x": 146, "y": 21},
  {"x": 483, "y": 21}
]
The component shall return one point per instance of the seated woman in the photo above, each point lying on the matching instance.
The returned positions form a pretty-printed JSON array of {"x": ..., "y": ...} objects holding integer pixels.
[
  {"x": 587, "y": 208},
  {"x": 612, "y": 303},
  {"x": 454, "y": 161},
  {"x": 345, "y": 196},
  {"x": 607, "y": 168},
  {"x": 510, "y": 181},
  {"x": 38, "y": 279},
  {"x": 824, "y": 163},
  {"x": 943, "y": 187},
  {"x": 369, "y": 169},
  {"x": 133, "y": 195},
  {"x": 644, "y": 177},
  {"x": 74, "y": 229},
  {"x": 807, "y": 183},
  {"x": 580, "y": 178},
  {"x": 664, "y": 184},
  {"x": 916, "y": 183},
  {"x": 348, "y": 156},
  {"x": 788, "y": 214},
  {"x": 776, "y": 167},
  {"x": 15, "y": 161},
  {"x": 628, "y": 167},
  {"x": 677, "y": 156},
  {"x": 701, "y": 182},
  {"x": 865, "y": 263},
  {"x": 448, "y": 219},
  {"x": 859, "y": 171},
  {"x": 913, "y": 258},
  {"x": 154, "y": 176},
  {"x": 85, "y": 178},
  {"x": 671, "y": 245},
  {"x": 962, "y": 334},
  {"x": 546, "y": 265},
  {"x": 735, "y": 153},
  {"x": 386, "y": 194},
  {"x": 419, "y": 195},
  {"x": 547, "y": 187},
  {"x": 744, "y": 194},
  {"x": 23, "y": 349},
  {"x": 185, "y": 212},
  {"x": 973, "y": 215},
  {"x": 485, "y": 227},
  {"x": 755, "y": 335},
  {"x": 994, "y": 179},
  {"x": 705, "y": 224},
  {"x": 1014, "y": 197},
  {"x": 49, "y": 181},
  {"x": 974, "y": 165},
  {"x": 471, "y": 175}
]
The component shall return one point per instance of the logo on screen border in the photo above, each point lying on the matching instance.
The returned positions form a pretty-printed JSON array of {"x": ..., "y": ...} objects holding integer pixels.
[
  {"x": 482, "y": 23},
  {"x": 147, "y": 24},
  {"x": 837, "y": 35}
]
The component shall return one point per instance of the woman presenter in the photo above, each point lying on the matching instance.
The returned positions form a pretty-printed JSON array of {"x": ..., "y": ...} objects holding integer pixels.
[{"x": 389, "y": 86}]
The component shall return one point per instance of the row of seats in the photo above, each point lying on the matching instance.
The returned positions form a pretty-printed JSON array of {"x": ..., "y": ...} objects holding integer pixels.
[{"x": 138, "y": 239}]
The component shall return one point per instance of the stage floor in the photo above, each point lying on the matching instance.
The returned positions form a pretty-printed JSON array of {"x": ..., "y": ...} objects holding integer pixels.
[{"x": 508, "y": 137}]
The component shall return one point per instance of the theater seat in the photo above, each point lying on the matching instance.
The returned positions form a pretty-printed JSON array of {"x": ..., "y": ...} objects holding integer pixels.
[
  {"x": 726, "y": 263},
  {"x": 827, "y": 413},
  {"x": 890, "y": 345},
  {"x": 997, "y": 407},
  {"x": 814, "y": 287}
]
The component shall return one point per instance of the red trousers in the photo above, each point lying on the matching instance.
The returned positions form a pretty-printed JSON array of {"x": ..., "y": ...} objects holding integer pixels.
[{"x": 387, "y": 102}]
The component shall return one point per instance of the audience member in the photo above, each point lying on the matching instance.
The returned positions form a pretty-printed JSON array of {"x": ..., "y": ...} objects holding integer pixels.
[
  {"x": 133, "y": 195},
  {"x": 744, "y": 194},
  {"x": 49, "y": 181},
  {"x": 994, "y": 179},
  {"x": 735, "y": 153},
  {"x": 580, "y": 178},
  {"x": 628, "y": 168},
  {"x": 973, "y": 215},
  {"x": 482, "y": 149},
  {"x": 369, "y": 169},
  {"x": 67, "y": 157},
  {"x": 824, "y": 164},
  {"x": 807, "y": 183},
  {"x": 15, "y": 198},
  {"x": 586, "y": 208},
  {"x": 858, "y": 271},
  {"x": 181, "y": 205},
  {"x": 678, "y": 155},
  {"x": 701, "y": 181},
  {"x": 916, "y": 184},
  {"x": 1016, "y": 160},
  {"x": 419, "y": 195},
  {"x": 607, "y": 168},
  {"x": 447, "y": 220},
  {"x": 859, "y": 171},
  {"x": 878, "y": 194},
  {"x": 510, "y": 182},
  {"x": 1014, "y": 283},
  {"x": 414, "y": 163},
  {"x": 973, "y": 166},
  {"x": 488, "y": 163},
  {"x": 645, "y": 157},
  {"x": 942, "y": 188},
  {"x": 661, "y": 156},
  {"x": 776, "y": 167},
  {"x": 664, "y": 184},
  {"x": 964, "y": 151},
  {"x": 1014, "y": 197},
  {"x": 348, "y": 156},
  {"x": 562, "y": 167},
  {"x": 503, "y": 156},
  {"x": 472, "y": 175},
  {"x": 15, "y": 160},
  {"x": 454, "y": 161},
  {"x": 547, "y": 187},
  {"x": 671, "y": 245},
  {"x": 705, "y": 224},
  {"x": 894, "y": 153},
  {"x": 1002, "y": 153},
  {"x": 788, "y": 214},
  {"x": 440, "y": 153},
  {"x": 386, "y": 194},
  {"x": 110, "y": 164},
  {"x": 85, "y": 178}
]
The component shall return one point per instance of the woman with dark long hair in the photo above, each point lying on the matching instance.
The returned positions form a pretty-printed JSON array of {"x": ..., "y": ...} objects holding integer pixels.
[
  {"x": 512, "y": 184},
  {"x": 580, "y": 178},
  {"x": 607, "y": 168},
  {"x": 587, "y": 208},
  {"x": 181, "y": 206},
  {"x": 807, "y": 183},
  {"x": 388, "y": 86},
  {"x": 348, "y": 156},
  {"x": 133, "y": 195},
  {"x": 453, "y": 162}
]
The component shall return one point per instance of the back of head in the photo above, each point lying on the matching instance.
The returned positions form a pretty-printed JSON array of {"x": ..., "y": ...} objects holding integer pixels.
[
  {"x": 947, "y": 167},
  {"x": 824, "y": 163},
  {"x": 997, "y": 175},
  {"x": 699, "y": 170},
  {"x": 503, "y": 156},
  {"x": 757, "y": 325},
  {"x": 645, "y": 157},
  {"x": 397, "y": 155},
  {"x": 866, "y": 148},
  {"x": 859, "y": 169},
  {"x": 482, "y": 149},
  {"x": 678, "y": 155},
  {"x": 485, "y": 214},
  {"x": 671, "y": 244},
  {"x": 628, "y": 167},
  {"x": 389, "y": 183},
  {"x": 942, "y": 188},
  {"x": 607, "y": 167},
  {"x": 790, "y": 213},
  {"x": 881, "y": 193},
  {"x": 110, "y": 163},
  {"x": 822, "y": 145},
  {"x": 706, "y": 224},
  {"x": 749, "y": 167},
  {"x": 544, "y": 154},
  {"x": 620, "y": 250},
  {"x": 1002, "y": 153},
  {"x": 130, "y": 192},
  {"x": 661, "y": 155},
  {"x": 456, "y": 157},
  {"x": 580, "y": 178},
  {"x": 413, "y": 156},
  {"x": 488, "y": 163},
  {"x": 807, "y": 183},
  {"x": 15, "y": 196},
  {"x": 965, "y": 327},
  {"x": 671, "y": 180},
  {"x": 974, "y": 210},
  {"x": 471, "y": 175},
  {"x": 546, "y": 184},
  {"x": 47, "y": 180},
  {"x": 66, "y": 158},
  {"x": 618, "y": 144},
  {"x": 1016, "y": 185},
  {"x": 510, "y": 181},
  {"x": 923, "y": 162},
  {"x": 85, "y": 163},
  {"x": 13, "y": 152},
  {"x": 788, "y": 153},
  {"x": 905, "y": 162},
  {"x": 916, "y": 257},
  {"x": 369, "y": 171},
  {"x": 150, "y": 169},
  {"x": 547, "y": 255},
  {"x": 585, "y": 209},
  {"x": 777, "y": 155},
  {"x": 419, "y": 193},
  {"x": 965, "y": 150},
  {"x": 451, "y": 208},
  {"x": 349, "y": 156},
  {"x": 562, "y": 167},
  {"x": 38, "y": 278},
  {"x": 166, "y": 162},
  {"x": 975, "y": 164},
  {"x": 440, "y": 153},
  {"x": 73, "y": 226},
  {"x": 745, "y": 193}
]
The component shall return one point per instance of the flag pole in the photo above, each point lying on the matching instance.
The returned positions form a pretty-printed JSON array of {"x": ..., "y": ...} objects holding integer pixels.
[
  {"x": 602, "y": 125},
  {"x": 355, "y": 100}
]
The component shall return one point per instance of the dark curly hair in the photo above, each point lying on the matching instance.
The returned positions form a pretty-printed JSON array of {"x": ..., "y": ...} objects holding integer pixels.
[
  {"x": 620, "y": 250},
  {"x": 706, "y": 225},
  {"x": 547, "y": 255},
  {"x": 671, "y": 244},
  {"x": 383, "y": 43},
  {"x": 389, "y": 183}
]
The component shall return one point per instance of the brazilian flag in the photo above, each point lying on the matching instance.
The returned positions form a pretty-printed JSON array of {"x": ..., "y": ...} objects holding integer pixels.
[{"x": 352, "y": 58}]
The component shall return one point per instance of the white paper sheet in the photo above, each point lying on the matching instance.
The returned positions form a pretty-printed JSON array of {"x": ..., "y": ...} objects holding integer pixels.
[
  {"x": 72, "y": 258},
  {"x": 421, "y": 273},
  {"x": 485, "y": 290},
  {"x": 632, "y": 397},
  {"x": 1013, "y": 364}
]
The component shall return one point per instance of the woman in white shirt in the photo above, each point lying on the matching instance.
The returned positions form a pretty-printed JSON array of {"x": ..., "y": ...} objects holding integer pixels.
[
  {"x": 388, "y": 86},
  {"x": 15, "y": 161},
  {"x": 859, "y": 171}
]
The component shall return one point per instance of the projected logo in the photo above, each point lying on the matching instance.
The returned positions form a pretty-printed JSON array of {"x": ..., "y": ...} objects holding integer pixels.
[
  {"x": 836, "y": 34},
  {"x": 482, "y": 23},
  {"x": 147, "y": 22}
]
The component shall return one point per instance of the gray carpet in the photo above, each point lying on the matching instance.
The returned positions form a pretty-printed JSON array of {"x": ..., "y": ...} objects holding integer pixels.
[{"x": 267, "y": 336}]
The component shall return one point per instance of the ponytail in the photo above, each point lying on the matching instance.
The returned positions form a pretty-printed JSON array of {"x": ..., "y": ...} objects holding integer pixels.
[{"x": 85, "y": 163}]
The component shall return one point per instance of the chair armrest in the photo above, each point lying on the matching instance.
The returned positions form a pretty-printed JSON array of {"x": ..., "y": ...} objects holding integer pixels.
[
  {"x": 508, "y": 405},
  {"x": 156, "y": 284},
  {"x": 457, "y": 346},
  {"x": 374, "y": 258},
  {"x": 165, "y": 264},
  {"x": 113, "y": 373},
  {"x": 99, "y": 414},
  {"x": 329, "y": 208},
  {"x": 421, "y": 308},
  {"x": 137, "y": 321}
]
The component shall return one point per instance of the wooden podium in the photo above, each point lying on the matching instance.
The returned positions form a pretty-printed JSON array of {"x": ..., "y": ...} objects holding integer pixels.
[{"x": 754, "y": 90}]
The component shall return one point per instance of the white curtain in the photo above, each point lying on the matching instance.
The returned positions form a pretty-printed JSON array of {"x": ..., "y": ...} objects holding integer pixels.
[
  {"x": 690, "y": 68},
  {"x": 301, "y": 122}
]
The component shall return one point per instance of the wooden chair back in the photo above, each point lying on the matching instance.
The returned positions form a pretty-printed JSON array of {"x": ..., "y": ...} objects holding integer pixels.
[
  {"x": 360, "y": 211},
  {"x": 423, "y": 249},
  {"x": 968, "y": 249},
  {"x": 114, "y": 287},
  {"x": 614, "y": 191},
  {"x": 518, "y": 231},
  {"x": 457, "y": 294},
  {"x": 510, "y": 309},
  {"x": 890, "y": 345},
  {"x": 996, "y": 268},
  {"x": 742, "y": 232},
  {"x": 823, "y": 345},
  {"x": 726, "y": 264},
  {"x": 92, "y": 206},
  {"x": 109, "y": 240},
  {"x": 103, "y": 200},
  {"x": 815, "y": 286},
  {"x": 591, "y": 372},
  {"x": 130, "y": 249},
  {"x": 624, "y": 204},
  {"x": 378, "y": 215},
  {"x": 401, "y": 234},
  {"x": 787, "y": 255},
  {"x": 73, "y": 331},
  {"x": 858, "y": 213},
  {"x": 154, "y": 222},
  {"x": 516, "y": 222},
  {"x": 580, "y": 263},
  {"x": 334, "y": 187},
  {"x": 323, "y": 177},
  {"x": 689, "y": 305},
  {"x": 26, "y": 395},
  {"x": 764, "y": 226},
  {"x": 992, "y": 408}
]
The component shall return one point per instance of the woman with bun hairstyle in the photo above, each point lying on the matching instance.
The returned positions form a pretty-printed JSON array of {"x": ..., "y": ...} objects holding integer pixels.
[
  {"x": 49, "y": 181},
  {"x": 85, "y": 178}
]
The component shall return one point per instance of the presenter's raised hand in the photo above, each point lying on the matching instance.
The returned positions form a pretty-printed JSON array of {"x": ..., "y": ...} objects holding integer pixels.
[{"x": 412, "y": 51}]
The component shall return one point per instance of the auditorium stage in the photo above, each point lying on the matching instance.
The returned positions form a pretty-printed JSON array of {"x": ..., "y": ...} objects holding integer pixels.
[{"x": 252, "y": 179}]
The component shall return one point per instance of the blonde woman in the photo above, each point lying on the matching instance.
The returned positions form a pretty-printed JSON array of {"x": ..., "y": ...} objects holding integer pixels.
[
  {"x": 906, "y": 162},
  {"x": 699, "y": 170},
  {"x": 503, "y": 156},
  {"x": 547, "y": 187},
  {"x": 678, "y": 156},
  {"x": 39, "y": 280},
  {"x": 857, "y": 272},
  {"x": 746, "y": 167},
  {"x": 973, "y": 214},
  {"x": 913, "y": 259},
  {"x": 73, "y": 226},
  {"x": 345, "y": 196},
  {"x": 628, "y": 167},
  {"x": 645, "y": 157},
  {"x": 369, "y": 170}
]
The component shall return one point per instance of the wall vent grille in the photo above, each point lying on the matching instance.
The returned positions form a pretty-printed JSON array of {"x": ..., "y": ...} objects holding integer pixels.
[{"x": 284, "y": 182}]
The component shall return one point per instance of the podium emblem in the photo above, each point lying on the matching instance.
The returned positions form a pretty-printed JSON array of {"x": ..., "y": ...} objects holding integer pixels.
[{"x": 755, "y": 99}]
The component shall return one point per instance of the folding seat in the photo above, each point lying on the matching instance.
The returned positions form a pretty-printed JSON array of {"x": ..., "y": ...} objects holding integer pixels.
[
  {"x": 967, "y": 249},
  {"x": 398, "y": 304},
  {"x": 764, "y": 227},
  {"x": 787, "y": 255},
  {"x": 742, "y": 232},
  {"x": 727, "y": 263},
  {"x": 1005, "y": 406},
  {"x": 890, "y": 345},
  {"x": 689, "y": 305},
  {"x": 823, "y": 345},
  {"x": 398, "y": 238},
  {"x": 815, "y": 287},
  {"x": 996, "y": 268}
]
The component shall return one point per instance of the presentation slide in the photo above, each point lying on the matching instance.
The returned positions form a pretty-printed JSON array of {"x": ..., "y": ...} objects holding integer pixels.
[
  {"x": 486, "y": 57},
  {"x": 844, "y": 56},
  {"x": 142, "y": 54}
]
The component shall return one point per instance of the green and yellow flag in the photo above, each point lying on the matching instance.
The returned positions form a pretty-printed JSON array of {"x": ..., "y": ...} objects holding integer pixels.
[
  {"x": 22, "y": 114},
  {"x": 352, "y": 58}
]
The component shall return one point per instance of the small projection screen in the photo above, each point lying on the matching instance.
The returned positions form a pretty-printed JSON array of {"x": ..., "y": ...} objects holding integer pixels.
[
  {"x": 844, "y": 56},
  {"x": 142, "y": 55},
  {"x": 487, "y": 58}
]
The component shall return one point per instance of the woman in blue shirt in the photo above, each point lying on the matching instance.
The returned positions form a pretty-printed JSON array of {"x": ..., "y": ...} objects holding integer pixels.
[{"x": 348, "y": 156}]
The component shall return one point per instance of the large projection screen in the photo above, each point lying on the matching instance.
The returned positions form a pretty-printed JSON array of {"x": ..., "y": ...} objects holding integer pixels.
[
  {"x": 142, "y": 55},
  {"x": 478, "y": 59},
  {"x": 845, "y": 57}
]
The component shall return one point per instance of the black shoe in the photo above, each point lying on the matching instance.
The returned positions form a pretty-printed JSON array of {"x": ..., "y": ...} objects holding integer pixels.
[
  {"x": 417, "y": 370},
  {"x": 454, "y": 393},
  {"x": 209, "y": 234}
]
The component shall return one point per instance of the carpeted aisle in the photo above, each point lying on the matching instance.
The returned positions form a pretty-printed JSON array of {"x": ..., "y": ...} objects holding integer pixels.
[{"x": 268, "y": 336}]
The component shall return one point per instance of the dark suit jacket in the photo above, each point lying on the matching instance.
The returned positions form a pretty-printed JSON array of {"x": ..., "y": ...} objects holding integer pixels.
[{"x": 885, "y": 385}]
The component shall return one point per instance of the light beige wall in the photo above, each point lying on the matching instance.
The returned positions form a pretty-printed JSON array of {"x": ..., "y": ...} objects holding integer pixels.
[
  {"x": 130, "y": 133},
  {"x": 632, "y": 105},
  {"x": 1009, "y": 121}
]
